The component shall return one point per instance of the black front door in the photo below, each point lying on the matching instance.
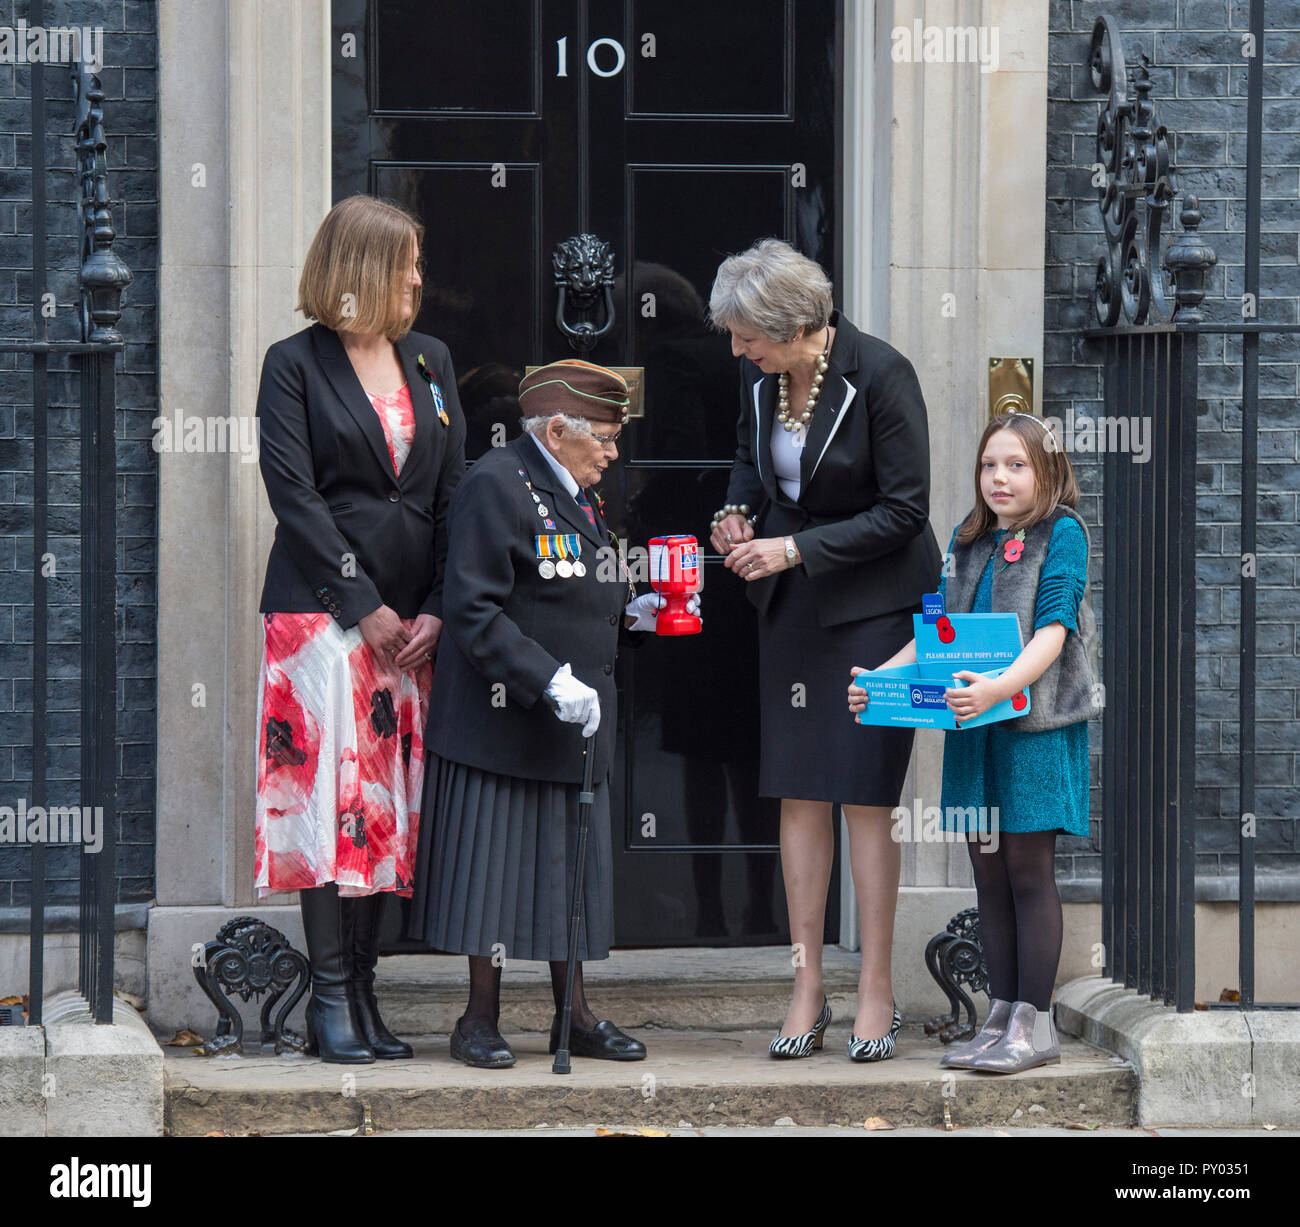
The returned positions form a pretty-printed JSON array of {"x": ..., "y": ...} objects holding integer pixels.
[{"x": 678, "y": 133}]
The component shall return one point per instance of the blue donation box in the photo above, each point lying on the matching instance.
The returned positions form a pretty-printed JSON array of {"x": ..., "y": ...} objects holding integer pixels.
[{"x": 911, "y": 696}]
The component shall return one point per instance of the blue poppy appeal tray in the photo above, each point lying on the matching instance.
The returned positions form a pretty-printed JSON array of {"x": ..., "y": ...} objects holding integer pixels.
[{"x": 912, "y": 696}]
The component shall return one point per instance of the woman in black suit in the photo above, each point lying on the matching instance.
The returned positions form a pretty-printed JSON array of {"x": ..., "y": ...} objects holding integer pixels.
[
  {"x": 361, "y": 443},
  {"x": 832, "y": 459}
]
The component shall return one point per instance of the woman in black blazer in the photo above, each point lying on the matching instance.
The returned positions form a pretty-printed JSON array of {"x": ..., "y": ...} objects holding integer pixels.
[
  {"x": 827, "y": 519},
  {"x": 361, "y": 441}
]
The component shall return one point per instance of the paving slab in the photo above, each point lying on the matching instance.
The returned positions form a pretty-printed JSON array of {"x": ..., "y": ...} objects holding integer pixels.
[{"x": 690, "y": 1079}]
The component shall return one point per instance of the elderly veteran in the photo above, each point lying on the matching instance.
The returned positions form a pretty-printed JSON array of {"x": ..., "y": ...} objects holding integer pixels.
[
  {"x": 529, "y": 611},
  {"x": 833, "y": 461}
]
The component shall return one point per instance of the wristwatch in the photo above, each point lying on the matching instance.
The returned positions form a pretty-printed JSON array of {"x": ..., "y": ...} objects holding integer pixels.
[{"x": 791, "y": 554}]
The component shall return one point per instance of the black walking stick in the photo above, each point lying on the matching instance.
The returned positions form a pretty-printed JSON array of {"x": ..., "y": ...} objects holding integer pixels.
[{"x": 585, "y": 799}]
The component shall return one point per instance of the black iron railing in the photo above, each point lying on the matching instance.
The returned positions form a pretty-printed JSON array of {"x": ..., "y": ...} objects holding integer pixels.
[
  {"x": 102, "y": 278},
  {"x": 1150, "y": 323}
]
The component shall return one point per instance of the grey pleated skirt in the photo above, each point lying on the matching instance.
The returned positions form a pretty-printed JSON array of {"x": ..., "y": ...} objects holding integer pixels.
[{"x": 495, "y": 864}]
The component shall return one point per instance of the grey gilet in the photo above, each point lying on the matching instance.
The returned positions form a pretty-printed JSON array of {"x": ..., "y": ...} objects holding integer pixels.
[{"x": 1067, "y": 692}]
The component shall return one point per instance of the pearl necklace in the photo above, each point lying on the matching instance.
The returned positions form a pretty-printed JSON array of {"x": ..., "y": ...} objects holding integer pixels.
[{"x": 783, "y": 390}]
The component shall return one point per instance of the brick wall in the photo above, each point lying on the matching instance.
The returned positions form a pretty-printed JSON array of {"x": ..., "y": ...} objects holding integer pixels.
[
  {"x": 130, "y": 110},
  {"x": 1199, "y": 77}
]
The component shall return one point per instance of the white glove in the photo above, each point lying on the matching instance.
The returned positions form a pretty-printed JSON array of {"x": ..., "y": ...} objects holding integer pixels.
[
  {"x": 576, "y": 702},
  {"x": 645, "y": 609}
]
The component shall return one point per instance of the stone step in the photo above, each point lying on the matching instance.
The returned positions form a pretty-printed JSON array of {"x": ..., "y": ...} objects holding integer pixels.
[
  {"x": 673, "y": 989},
  {"x": 701, "y": 1077}
]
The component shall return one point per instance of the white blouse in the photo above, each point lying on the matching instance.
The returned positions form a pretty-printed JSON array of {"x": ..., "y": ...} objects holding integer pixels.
[{"x": 787, "y": 451}]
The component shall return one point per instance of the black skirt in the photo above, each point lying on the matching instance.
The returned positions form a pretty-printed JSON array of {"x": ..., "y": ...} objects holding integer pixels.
[
  {"x": 812, "y": 748},
  {"x": 495, "y": 865}
]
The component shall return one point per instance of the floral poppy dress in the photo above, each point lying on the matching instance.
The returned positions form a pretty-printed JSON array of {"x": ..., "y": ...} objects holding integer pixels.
[
  {"x": 340, "y": 764},
  {"x": 1037, "y": 780}
]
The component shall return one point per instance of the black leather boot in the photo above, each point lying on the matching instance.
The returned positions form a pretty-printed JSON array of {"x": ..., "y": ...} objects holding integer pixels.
[
  {"x": 361, "y": 986},
  {"x": 332, "y": 1031}
]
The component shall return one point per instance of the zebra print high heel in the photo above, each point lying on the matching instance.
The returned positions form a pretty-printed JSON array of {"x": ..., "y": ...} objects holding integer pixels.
[
  {"x": 802, "y": 1045},
  {"x": 878, "y": 1049}
]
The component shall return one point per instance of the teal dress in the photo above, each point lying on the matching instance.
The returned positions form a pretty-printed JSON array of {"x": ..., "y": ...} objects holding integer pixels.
[{"x": 1037, "y": 781}]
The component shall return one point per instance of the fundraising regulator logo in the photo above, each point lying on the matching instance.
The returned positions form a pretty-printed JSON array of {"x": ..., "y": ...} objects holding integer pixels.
[
  {"x": 57, "y": 824},
  {"x": 922, "y": 44},
  {"x": 24, "y": 44}
]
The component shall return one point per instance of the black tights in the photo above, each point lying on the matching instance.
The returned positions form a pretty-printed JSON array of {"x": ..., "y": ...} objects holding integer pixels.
[
  {"x": 1020, "y": 915},
  {"x": 485, "y": 993}
]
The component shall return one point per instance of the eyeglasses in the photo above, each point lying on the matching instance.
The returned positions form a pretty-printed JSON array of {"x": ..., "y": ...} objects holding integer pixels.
[{"x": 606, "y": 440}]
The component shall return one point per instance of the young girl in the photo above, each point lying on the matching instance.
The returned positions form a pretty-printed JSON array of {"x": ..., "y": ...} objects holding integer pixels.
[{"x": 1021, "y": 549}]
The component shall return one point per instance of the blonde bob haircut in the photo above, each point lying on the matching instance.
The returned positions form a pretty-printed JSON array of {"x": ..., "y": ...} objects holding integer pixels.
[{"x": 357, "y": 266}]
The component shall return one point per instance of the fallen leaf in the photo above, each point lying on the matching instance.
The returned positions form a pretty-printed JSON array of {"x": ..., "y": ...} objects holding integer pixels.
[
  {"x": 631, "y": 1133},
  {"x": 10, "y": 1000},
  {"x": 1081, "y": 1124},
  {"x": 1230, "y": 994},
  {"x": 874, "y": 1123},
  {"x": 1270, "y": 1128},
  {"x": 185, "y": 1038}
]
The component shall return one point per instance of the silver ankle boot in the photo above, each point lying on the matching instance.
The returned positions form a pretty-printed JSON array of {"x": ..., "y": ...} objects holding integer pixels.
[
  {"x": 1030, "y": 1041},
  {"x": 995, "y": 1027}
]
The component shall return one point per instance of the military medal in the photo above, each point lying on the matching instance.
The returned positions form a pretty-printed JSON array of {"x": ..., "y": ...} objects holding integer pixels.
[
  {"x": 563, "y": 546},
  {"x": 433, "y": 387},
  {"x": 541, "y": 510},
  {"x": 579, "y": 568},
  {"x": 545, "y": 548}
]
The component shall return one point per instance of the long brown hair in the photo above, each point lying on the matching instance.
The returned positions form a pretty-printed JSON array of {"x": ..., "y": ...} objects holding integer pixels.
[
  {"x": 355, "y": 267},
  {"x": 1054, "y": 482}
]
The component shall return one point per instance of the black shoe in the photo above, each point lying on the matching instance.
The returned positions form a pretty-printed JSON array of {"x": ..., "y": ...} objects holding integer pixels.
[
  {"x": 361, "y": 985},
  {"x": 483, "y": 1047},
  {"x": 604, "y": 1041},
  {"x": 332, "y": 1031}
]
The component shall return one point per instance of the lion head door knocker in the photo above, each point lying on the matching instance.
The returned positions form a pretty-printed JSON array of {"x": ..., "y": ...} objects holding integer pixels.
[{"x": 584, "y": 280}]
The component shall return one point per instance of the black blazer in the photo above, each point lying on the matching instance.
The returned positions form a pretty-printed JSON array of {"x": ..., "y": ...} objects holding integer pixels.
[
  {"x": 507, "y": 630},
  {"x": 350, "y": 535},
  {"x": 862, "y": 519}
]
